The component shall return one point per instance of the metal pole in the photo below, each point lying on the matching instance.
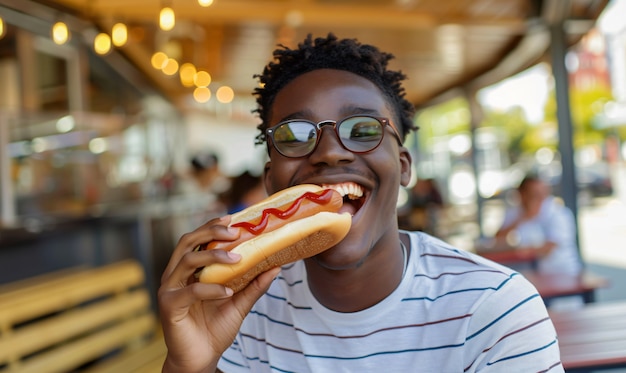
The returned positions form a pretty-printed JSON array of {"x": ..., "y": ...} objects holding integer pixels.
[
  {"x": 565, "y": 130},
  {"x": 476, "y": 116}
]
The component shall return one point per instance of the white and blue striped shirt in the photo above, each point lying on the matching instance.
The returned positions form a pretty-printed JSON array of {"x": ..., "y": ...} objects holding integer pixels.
[{"x": 452, "y": 312}]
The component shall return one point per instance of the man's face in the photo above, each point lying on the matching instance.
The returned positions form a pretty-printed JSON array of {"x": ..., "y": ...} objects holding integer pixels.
[{"x": 328, "y": 94}]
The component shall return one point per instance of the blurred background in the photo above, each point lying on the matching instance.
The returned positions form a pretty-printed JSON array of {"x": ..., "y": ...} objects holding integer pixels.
[{"x": 123, "y": 124}]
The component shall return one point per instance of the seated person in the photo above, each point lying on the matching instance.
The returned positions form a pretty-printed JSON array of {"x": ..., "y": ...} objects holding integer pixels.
[
  {"x": 426, "y": 204},
  {"x": 246, "y": 189},
  {"x": 542, "y": 223}
]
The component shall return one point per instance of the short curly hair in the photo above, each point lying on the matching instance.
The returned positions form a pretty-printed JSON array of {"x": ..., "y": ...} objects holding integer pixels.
[{"x": 332, "y": 53}]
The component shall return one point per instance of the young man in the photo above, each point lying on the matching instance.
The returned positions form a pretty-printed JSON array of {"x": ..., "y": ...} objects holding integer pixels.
[{"x": 380, "y": 300}]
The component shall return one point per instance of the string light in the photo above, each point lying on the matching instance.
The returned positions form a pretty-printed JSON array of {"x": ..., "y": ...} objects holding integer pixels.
[
  {"x": 205, "y": 3},
  {"x": 225, "y": 94},
  {"x": 167, "y": 19},
  {"x": 102, "y": 43},
  {"x": 202, "y": 94},
  {"x": 98, "y": 145},
  {"x": 119, "y": 34},
  {"x": 2, "y": 28},
  {"x": 170, "y": 67},
  {"x": 202, "y": 79},
  {"x": 65, "y": 124},
  {"x": 158, "y": 60},
  {"x": 187, "y": 73},
  {"x": 60, "y": 33}
]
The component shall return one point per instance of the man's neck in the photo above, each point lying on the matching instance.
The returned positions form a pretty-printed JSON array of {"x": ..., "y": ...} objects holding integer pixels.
[{"x": 355, "y": 289}]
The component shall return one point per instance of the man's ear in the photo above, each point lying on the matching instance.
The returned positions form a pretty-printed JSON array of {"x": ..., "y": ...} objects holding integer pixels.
[{"x": 405, "y": 166}]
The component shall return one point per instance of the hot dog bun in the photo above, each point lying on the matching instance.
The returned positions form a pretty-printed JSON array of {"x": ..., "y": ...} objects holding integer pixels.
[{"x": 283, "y": 240}]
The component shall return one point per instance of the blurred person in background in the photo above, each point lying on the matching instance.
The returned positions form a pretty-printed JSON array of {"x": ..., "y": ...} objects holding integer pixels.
[
  {"x": 542, "y": 223},
  {"x": 425, "y": 204},
  {"x": 206, "y": 173},
  {"x": 245, "y": 189},
  {"x": 200, "y": 188}
]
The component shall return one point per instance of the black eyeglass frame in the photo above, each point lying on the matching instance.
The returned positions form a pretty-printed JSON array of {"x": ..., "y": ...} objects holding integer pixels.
[{"x": 269, "y": 132}]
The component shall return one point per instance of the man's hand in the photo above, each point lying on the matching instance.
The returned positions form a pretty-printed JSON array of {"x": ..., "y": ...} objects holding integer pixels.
[{"x": 200, "y": 321}]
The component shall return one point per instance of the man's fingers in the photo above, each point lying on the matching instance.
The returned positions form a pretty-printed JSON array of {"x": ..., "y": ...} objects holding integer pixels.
[
  {"x": 185, "y": 297},
  {"x": 212, "y": 230},
  {"x": 191, "y": 262}
]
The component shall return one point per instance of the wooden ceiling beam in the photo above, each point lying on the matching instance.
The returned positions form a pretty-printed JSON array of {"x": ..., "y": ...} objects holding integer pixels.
[{"x": 306, "y": 14}]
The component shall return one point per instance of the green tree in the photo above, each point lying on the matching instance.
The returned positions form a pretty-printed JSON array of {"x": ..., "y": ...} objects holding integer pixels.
[
  {"x": 447, "y": 118},
  {"x": 514, "y": 124},
  {"x": 585, "y": 104}
]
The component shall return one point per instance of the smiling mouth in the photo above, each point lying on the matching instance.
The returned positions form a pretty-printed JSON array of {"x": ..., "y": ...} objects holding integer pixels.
[{"x": 352, "y": 193}]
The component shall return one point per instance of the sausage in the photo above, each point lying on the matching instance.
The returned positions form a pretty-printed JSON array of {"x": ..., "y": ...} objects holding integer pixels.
[{"x": 292, "y": 224}]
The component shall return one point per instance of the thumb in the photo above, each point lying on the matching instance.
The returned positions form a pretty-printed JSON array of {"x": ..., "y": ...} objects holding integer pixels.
[{"x": 248, "y": 296}]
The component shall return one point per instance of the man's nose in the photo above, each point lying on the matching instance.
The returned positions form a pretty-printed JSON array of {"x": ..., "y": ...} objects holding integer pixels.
[{"x": 329, "y": 149}]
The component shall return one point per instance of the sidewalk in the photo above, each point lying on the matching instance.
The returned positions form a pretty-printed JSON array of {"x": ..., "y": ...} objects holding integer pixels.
[
  {"x": 602, "y": 232},
  {"x": 602, "y": 226},
  {"x": 617, "y": 277}
]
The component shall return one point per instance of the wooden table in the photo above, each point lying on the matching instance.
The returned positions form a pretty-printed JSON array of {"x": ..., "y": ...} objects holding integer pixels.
[
  {"x": 511, "y": 256},
  {"x": 552, "y": 286},
  {"x": 501, "y": 252},
  {"x": 592, "y": 337}
]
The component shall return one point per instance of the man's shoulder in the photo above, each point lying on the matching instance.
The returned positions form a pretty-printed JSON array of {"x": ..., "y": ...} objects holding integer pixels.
[
  {"x": 448, "y": 275},
  {"x": 444, "y": 256}
]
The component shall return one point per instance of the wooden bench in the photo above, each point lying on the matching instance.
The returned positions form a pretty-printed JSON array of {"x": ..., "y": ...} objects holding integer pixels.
[
  {"x": 88, "y": 319},
  {"x": 592, "y": 337}
]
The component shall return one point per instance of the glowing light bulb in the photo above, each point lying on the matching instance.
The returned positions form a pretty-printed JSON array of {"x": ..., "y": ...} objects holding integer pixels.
[
  {"x": 202, "y": 94},
  {"x": 170, "y": 67},
  {"x": 158, "y": 60},
  {"x": 98, "y": 145},
  {"x": 225, "y": 94},
  {"x": 102, "y": 43},
  {"x": 167, "y": 19},
  {"x": 205, "y": 3},
  {"x": 202, "y": 79},
  {"x": 119, "y": 34},
  {"x": 2, "y": 28},
  {"x": 187, "y": 72},
  {"x": 60, "y": 33},
  {"x": 65, "y": 124}
]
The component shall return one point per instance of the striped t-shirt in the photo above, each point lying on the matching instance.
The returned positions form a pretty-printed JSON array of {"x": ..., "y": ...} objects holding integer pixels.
[{"x": 452, "y": 312}]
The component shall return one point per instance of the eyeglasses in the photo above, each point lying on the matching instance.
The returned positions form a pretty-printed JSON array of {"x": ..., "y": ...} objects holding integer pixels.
[{"x": 296, "y": 138}]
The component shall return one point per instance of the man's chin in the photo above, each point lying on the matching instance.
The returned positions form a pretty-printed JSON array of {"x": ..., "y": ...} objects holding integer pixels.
[{"x": 339, "y": 258}]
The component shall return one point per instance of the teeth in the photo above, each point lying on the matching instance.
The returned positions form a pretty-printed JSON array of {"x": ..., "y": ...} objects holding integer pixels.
[{"x": 352, "y": 190}]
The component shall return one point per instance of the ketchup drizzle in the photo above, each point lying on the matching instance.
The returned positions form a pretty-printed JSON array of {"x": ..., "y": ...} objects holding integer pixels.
[{"x": 320, "y": 199}]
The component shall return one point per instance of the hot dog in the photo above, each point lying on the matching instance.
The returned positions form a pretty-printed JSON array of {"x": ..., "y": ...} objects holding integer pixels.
[{"x": 292, "y": 224}]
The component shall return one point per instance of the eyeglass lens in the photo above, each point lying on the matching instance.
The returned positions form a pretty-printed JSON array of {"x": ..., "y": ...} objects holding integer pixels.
[{"x": 357, "y": 134}]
